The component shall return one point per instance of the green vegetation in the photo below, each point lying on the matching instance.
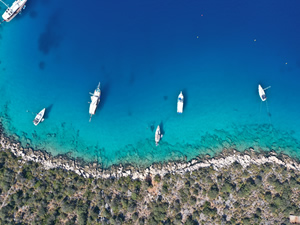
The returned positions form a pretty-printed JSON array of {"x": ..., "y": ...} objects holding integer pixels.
[{"x": 29, "y": 194}]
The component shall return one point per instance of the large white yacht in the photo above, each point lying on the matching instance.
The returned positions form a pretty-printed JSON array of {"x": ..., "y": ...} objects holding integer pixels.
[
  {"x": 12, "y": 11},
  {"x": 180, "y": 103},
  {"x": 158, "y": 135},
  {"x": 95, "y": 100},
  {"x": 39, "y": 117}
]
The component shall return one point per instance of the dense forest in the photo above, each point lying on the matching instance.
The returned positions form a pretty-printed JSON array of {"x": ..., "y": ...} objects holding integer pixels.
[{"x": 29, "y": 194}]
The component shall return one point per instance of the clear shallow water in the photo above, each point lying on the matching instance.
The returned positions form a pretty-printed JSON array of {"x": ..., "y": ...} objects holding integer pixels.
[{"x": 144, "y": 54}]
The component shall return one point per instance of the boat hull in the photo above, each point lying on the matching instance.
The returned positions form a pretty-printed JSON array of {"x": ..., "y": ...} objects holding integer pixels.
[
  {"x": 157, "y": 135},
  {"x": 39, "y": 117},
  {"x": 262, "y": 93},
  {"x": 180, "y": 103},
  {"x": 95, "y": 100},
  {"x": 8, "y": 17}
]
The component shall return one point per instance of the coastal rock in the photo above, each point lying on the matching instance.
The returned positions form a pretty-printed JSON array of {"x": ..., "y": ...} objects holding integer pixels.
[{"x": 225, "y": 159}]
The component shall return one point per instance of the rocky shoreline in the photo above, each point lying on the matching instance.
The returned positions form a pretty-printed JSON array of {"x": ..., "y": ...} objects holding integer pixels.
[{"x": 92, "y": 170}]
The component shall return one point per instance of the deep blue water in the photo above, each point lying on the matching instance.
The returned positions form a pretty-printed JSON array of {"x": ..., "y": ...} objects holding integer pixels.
[{"x": 144, "y": 53}]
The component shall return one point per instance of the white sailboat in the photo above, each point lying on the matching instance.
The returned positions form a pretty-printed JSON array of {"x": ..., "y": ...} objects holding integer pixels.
[
  {"x": 180, "y": 103},
  {"x": 39, "y": 117},
  {"x": 12, "y": 11},
  {"x": 158, "y": 135},
  {"x": 261, "y": 92},
  {"x": 95, "y": 100}
]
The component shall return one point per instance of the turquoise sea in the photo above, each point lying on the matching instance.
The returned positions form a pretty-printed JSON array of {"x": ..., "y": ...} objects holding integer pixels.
[{"x": 144, "y": 53}]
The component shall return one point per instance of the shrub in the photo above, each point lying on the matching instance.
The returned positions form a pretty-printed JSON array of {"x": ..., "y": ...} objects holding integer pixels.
[
  {"x": 227, "y": 187},
  {"x": 195, "y": 191},
  {"x": 213, "y": 192},
  {"x": 115, "y": 204},
  {"x": 135, "y": 216},
  {"x": 268, "y": 195},
  {"x": 131, "y": 206},
  {"x": 165, "y": 188},
  {"x": 124, "y": 203},
  {"x": 106, "y": 213},
  {"x": 159, "y": 211},
  {"x": 196, "y": 214},
  {"x": 246, "y": 221},
  {"x": 209, "y": 180},
  {"x": 157, "y": 178},
  {"x": 278, "y": 186},
  {"x": 5, "y": 186},
  {"x": 178, "y": 217},
  {"x": 148, "y": 181},
  {"x": 193, "y": 200},
  {"x": 258, "y": 212},
  {"x": 187, "y": 184},
  {"x": 177, "y": 206},
  {"x": 273, "y": 207},
  {"x": 141, "y": 221},
  {"x": 293, "y": 183},
  {"x": 206, "y": 204},
  {"x": 245, "y": 190},
  {"x": 258, "y": 180},
  {"x": 237, "y": 166},
  {"x": 190, "y": 221},
  {"x": 137, "y": 185},
  {"x": 245, "y": 174},
  {"x": 184, "y": 194},
  {"x": 134, "y": 196},
  {"x": 280, "y": 203},
  {"x": 209, "y": 211},
  {"x": 94, "y": 213},
  {"x": 124, "y": 188},
  {"x": 152, "y": 221},
  {"x": 68, "y": 207}
]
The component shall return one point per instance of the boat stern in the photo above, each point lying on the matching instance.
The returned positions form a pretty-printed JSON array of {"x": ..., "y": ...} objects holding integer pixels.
[
  {"x": 262, "y": 93},
  {"x": 5, "y": 16},
  {"x": 180, "y": 107}
]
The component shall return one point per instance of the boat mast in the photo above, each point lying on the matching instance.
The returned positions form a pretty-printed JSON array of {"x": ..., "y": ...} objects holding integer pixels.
[{"x": 4, "y": 3}]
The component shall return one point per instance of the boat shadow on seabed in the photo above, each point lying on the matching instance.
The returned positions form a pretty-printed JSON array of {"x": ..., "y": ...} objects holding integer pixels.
[
  {"x": 105, "y": 90},
  {"x": 162, "y": 131},
  {"x": 47, "y": 112}
]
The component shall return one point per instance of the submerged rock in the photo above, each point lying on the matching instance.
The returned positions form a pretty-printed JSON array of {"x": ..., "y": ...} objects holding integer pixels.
[{"x": 225, "y": 159}]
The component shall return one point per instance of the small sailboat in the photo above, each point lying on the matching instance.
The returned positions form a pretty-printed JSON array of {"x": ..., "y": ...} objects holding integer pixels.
[
  {"x": 95, "y": 101},
  {"x": 39, "y": 117},
  {"x": 12, "y": 11},
  {"x": 158, "y": 135},
  {"x": 261, "y": 92},
  {"x": 180, "y": 103}
]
